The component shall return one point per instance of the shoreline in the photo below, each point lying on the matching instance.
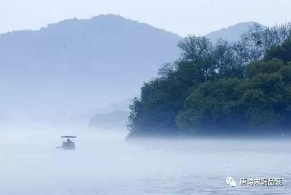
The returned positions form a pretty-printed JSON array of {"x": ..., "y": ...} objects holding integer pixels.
[{"x": 249, "y": 136}]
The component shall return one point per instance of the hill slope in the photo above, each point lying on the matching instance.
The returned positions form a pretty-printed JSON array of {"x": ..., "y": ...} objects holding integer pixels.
[
  {"x": 76, "y": 65},
  {"x": 115, "y": 120},
  {"x": 231, "y": 33}
]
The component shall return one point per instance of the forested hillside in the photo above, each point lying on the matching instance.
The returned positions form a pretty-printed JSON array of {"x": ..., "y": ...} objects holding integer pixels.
[{"x": 234, "y": 88}]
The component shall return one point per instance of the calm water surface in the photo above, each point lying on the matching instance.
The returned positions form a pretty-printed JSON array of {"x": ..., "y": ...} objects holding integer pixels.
[{"x": 107, "y": 165}]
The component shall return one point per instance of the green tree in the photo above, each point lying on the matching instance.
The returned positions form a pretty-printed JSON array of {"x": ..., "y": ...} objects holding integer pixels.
[
  {"x": 261, "y": 67},
  {"x": 219, "y": 88},
  {"x": 280, "y": 51},
  {"x": 227, "y": 64},
  {"x": 213, "y": 104},
  {"x": 286, "y": 74},
  {"x": 199, "y": 50}
]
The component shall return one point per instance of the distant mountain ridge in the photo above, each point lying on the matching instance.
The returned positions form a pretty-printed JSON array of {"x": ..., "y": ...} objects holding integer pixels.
[
  {"x": 74, "y": 66},
  {"x": 231, "y": 33}
]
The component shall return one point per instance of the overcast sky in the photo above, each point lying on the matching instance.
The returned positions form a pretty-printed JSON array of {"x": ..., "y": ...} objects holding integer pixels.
[{"x": 179, "y": 16}]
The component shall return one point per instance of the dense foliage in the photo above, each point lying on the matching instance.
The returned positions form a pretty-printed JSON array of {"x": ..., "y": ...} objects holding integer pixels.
[{"x": 242, "y": 87}]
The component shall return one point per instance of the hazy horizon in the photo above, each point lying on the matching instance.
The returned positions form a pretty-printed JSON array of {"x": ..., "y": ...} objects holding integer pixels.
[{"x": 173, "y": 16}]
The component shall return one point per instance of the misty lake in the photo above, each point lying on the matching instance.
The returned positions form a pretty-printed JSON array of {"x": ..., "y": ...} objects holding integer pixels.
[{"x": 107, "y": 165}]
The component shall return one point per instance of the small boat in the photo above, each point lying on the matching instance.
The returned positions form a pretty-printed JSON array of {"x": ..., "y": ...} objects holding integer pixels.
[{"x": 67, "y": 145}]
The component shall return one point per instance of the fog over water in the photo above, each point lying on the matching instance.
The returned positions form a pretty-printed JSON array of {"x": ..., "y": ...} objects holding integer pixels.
[{"x": 104, "y": 163}]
